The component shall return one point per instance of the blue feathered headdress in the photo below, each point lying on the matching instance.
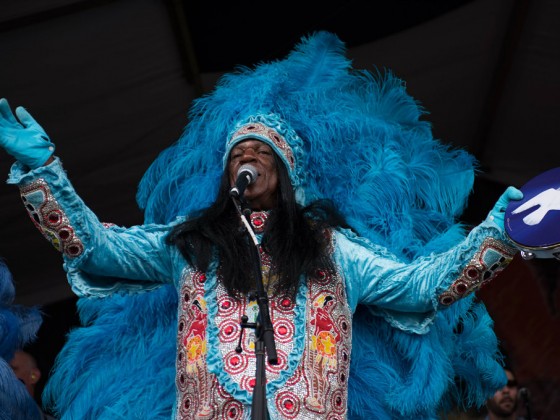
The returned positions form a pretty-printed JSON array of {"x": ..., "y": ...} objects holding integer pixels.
[
  {"x": 405, "y": 188},
  {"x": 359, "y": 140}
]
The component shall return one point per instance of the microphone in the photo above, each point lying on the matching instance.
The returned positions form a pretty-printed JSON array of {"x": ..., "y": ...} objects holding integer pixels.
[
  {"x": 524, "y": 393},
  {"x": 246, "y": 175}
]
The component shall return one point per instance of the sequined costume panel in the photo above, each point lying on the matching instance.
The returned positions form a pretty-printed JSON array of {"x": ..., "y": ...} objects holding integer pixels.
[
  {"x": 316, "y": 388},
  {"x": 200, "y": 396}
]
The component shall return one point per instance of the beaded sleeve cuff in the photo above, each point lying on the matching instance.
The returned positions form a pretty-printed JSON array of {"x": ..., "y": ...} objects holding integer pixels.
[
  {"x": 492, "y": 257},
  {"x": 48, "y": 216}
]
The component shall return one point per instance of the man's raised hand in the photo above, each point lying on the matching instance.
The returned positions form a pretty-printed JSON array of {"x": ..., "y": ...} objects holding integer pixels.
[{"x": 23, "y": 137}]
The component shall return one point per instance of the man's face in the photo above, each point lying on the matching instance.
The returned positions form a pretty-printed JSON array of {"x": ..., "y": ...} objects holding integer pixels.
[
  {"x": 261, "y": 195},
  {"x": 25, "y": 369},
  {"x": 504, "y": 401}
]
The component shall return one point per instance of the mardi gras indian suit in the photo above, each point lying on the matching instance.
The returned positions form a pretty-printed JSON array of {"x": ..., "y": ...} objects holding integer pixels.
[{"x": 393, "y": 331}]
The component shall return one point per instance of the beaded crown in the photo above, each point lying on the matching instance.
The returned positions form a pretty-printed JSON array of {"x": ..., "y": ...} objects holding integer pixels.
[{"x": 272, "y": 130}]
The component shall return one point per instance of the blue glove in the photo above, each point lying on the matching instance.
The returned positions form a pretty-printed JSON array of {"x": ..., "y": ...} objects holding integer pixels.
[
  {"x": 24, "y": 139},
  {"x": 497, "y": 214}
]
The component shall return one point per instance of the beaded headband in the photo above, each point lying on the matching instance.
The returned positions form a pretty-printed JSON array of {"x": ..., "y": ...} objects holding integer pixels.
[
  {"x": 272, "y": 130},
  {"x": 266, "y": 134}
]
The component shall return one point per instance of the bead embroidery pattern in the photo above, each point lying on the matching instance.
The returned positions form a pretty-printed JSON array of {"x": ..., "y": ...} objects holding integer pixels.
[
  {"x": 241, "y": 366},
  {"x": 199, "y": 394},
  {"x": 316, "y": 390},
  {"x": 50, "y": 219},
  {"x": 258, "y": 220},
  {"x": 492, "y": 257},
  {"x": 271, "y": 134},
  {"x": 327, "y": 354}
]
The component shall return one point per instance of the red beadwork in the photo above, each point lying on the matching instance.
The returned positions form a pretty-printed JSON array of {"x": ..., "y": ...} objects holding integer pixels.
[
  {"x": 252, "y": 383},
  {"x": 322, "y": 277},
  {"x": 64, "y": 234},
  {"x": 226, "y": 306},
  {"x": 54, "y": 218},
  {"x": 461, "y": 288},
  {"x": 228, "y": 330},
  {"x": 282, "y": 330},
  {"x": 288, "y": 404},
  {"x": 235, "y": 364},
  {"x": 232, "y": 413},
  {"x": 73, "y": 250},
  {"x": 286, "y": 302},
  {"x": 447, "y": 300},
  {"x": 472, "y": 273},
  {"x": 258, "y": 221}
]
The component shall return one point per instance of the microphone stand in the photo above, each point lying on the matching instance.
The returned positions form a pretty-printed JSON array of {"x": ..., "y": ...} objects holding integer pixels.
[
  {"x": 264, "y": 332},
  {"x": 525, "y": 396}
]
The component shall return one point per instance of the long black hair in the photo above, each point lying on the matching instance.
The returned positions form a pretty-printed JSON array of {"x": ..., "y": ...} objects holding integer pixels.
[{"x": 294, "y": 238}]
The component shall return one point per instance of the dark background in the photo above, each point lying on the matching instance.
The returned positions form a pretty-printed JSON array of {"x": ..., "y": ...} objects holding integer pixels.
[{"x": 111, "y": 82}]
